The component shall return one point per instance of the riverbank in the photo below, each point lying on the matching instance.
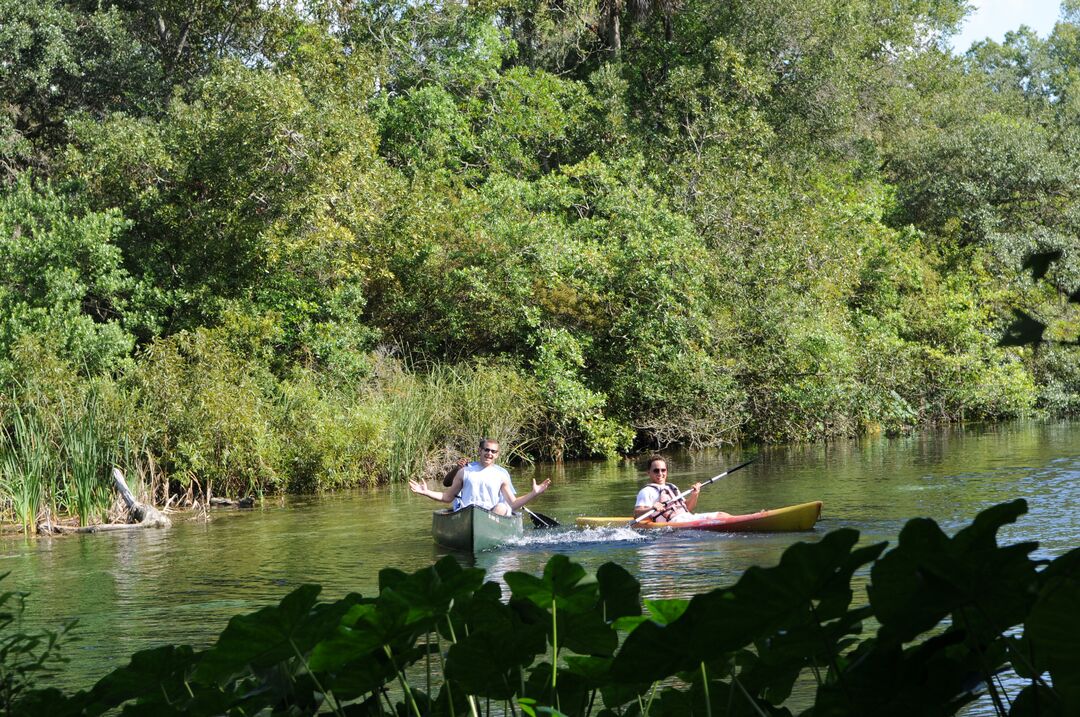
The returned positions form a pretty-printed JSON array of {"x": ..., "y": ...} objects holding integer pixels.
[{"x": 198, "y": 416}]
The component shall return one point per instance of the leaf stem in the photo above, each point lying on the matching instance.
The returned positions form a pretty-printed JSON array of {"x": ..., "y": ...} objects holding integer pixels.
[
  {"x": 705, "y": 686},
  {"x": 749, "y": 698},
  {"x": 401, "y": 679},
  {"x": 329, "y": 697}
]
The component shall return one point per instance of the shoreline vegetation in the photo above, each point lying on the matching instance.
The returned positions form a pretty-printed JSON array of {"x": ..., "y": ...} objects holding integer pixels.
[
  {"x": 944, "y": 621},
  {"x": 292, "y": 247}
]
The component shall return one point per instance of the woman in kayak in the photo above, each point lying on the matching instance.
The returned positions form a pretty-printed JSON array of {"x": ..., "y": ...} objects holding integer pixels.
[
  {"x": 481, "y": 483},
  {"x": 663, "y": 497}
]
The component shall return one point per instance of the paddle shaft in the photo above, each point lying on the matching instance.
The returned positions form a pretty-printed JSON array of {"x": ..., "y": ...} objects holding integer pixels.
[{"x": 687, "y": 492}]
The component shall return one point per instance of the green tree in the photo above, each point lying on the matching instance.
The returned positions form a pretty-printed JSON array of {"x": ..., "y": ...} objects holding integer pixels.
[
  {"x": 62, "y": 278},
  {"x": 249, "y": 194}
]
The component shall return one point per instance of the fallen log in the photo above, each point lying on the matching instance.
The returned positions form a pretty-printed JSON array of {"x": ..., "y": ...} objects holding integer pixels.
[
  {"x": 248, "y": 502},
  {"x": 146, "y": 516}
]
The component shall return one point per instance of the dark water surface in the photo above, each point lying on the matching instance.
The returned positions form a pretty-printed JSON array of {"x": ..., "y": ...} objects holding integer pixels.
[{"x": 146, "y": 588}]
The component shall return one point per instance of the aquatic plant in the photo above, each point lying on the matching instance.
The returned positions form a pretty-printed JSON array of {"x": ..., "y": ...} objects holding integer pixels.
[
  {"x": 492, "y": 401},
  {"x": 447, "y": 410},
  {"x": 86, "y": 462},
  {"x": 415, "y": 423},
  {"x": 952, "y": 614},
  {"x": 26, "y": 467}
]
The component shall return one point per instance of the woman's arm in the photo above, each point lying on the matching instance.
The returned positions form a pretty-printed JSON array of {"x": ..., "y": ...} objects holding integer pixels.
[
  {"x": 691, "y": 500},
  {"x": 515, "y": 503},
  {"x": 640, "y": 510}
]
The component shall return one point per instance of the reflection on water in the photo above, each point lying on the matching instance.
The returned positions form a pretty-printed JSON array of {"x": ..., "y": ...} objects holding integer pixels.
[{"x": 137, "y": 590}]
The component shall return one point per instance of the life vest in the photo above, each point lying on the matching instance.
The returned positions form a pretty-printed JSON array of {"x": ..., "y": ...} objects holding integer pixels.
[{"x": 666, "y": 493}]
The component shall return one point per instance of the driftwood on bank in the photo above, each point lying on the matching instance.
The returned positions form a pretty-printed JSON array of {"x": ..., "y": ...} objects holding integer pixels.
[
  {"x": 145, "y": 516},
  {"x": 248, "y": 502}
]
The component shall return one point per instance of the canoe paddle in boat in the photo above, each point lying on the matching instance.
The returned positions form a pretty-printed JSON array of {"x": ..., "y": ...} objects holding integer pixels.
[
  {"x": 645, "y": 516},
  {"x": 539, "y": 520}
]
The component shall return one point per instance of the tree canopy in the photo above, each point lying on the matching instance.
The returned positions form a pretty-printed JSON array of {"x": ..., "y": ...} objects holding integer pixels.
[{"x": 685, "y": 223}]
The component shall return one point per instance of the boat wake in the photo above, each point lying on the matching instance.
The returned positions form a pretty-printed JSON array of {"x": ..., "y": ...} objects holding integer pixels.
[{"x": 580, "y": 537}]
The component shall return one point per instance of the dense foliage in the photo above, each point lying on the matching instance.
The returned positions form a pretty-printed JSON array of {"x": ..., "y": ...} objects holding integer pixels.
[
  {"x": 956, "y": 618},
  {"x": 271, "y": 237}
]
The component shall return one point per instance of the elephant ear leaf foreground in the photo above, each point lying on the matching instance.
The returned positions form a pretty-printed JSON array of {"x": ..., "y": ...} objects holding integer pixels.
[{"x": 952, "y": 613}]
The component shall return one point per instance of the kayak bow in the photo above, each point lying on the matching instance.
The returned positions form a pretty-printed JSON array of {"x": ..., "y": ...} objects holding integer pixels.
[{"x": 779, "y": 520}]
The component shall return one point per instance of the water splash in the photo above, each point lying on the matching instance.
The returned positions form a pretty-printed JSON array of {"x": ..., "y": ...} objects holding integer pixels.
[{"x": 580, "y": 537}]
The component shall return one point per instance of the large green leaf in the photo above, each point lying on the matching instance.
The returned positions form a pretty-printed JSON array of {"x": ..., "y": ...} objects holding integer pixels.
[
  {"x": 164, "y": 667},
  {"x": 933, "y": 678},
  {"x": 1053, "y": 628},
  {"x": 620, "y": 592},
  {"x": 763, "y": 601},
  {"x": 1039, "y": 262},
  {"x": 929, "y": 576},
  {"x": 428, "y": 593},
  {"x": 273, "y": 634},
  {"x": 586, "y": 633},
  {"x": 357, "y": 636},
  {"x": 570, "y": 696},
  {"x": 489, "y": 657},
  {"x": 665, "y": 612},
  {"x": 1025, "y": 330},
  {"x": 565, "y": 585},
  {"x": 1037, "y": 700}
]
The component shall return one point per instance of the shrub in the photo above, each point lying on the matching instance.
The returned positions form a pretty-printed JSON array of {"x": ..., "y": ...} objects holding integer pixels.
[
  {"x": 61, "y": 278},
  {"x": 206, "y": 414},
  {"x": 330, "y": 439}
]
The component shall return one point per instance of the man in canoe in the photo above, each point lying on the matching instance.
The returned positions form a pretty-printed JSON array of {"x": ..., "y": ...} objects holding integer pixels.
[
  {"x": 663, "y": 497},
  {"x": 482, "y": 483}
]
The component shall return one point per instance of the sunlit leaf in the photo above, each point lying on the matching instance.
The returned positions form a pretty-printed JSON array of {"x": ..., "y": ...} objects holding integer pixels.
[
  {"x": 664, "y": 612},
  {"x": 428, "y": 592},
  {"x": 564, "y": 583}
]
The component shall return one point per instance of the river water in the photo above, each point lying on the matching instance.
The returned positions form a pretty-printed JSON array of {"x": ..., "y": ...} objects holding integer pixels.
[{"x": 145, "y": 588}]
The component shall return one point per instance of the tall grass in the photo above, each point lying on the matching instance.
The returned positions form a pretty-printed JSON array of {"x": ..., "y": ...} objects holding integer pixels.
[
  {"x": 86, "y": 463},
  {"x": 26, "y": 467},
  {"x": 193, "y": 413},
  {"x": 442, "y": 414},
  {"x": 497, "y": 402},
  {"x": 416, "y": 423}
]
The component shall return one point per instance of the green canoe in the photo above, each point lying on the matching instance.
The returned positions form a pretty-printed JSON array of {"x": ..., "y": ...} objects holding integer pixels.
[{"x": 473, "y": 528}]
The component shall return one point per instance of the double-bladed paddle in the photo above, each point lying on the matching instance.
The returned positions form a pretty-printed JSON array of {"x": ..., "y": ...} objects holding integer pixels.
[{"x": 654, "y": 511}]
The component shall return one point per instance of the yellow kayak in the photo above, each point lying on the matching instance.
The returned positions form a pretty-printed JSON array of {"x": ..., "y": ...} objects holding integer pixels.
[{"x": 780, "y": 520}]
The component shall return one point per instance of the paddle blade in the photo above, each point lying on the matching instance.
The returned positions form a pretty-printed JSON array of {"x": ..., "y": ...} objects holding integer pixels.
[{"x": 540, "y": 521}]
